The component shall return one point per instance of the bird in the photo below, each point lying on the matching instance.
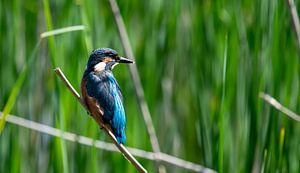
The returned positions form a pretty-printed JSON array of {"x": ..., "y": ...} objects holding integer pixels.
[{"x": 101, "y": 93}]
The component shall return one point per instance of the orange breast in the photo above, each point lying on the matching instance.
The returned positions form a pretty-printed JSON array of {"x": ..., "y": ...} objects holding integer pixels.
[{"x": 91, "y": 103}]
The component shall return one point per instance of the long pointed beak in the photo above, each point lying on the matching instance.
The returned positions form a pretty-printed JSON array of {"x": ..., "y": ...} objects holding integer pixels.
[{"x": 125, "y": 60}]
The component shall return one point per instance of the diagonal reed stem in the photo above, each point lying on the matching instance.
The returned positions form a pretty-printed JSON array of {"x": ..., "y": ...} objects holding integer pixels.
[
  {"x": 121, "y": 147},
  {"x": 295, "y": 19},
  {"x": 273, "y": 102}
]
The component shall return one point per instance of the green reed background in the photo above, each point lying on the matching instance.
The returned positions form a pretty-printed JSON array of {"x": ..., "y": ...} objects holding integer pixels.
[{"x": 202, "y": 65}]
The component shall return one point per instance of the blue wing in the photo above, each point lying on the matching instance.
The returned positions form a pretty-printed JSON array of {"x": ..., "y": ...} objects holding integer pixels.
[{"x": 105, "y": 89}]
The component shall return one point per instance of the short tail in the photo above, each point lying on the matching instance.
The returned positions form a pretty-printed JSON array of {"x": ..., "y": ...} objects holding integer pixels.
[
  {"x": 118, "y": 128},
  {"x": 118, "y": 121},
  {"x": 120, "y": 136}
]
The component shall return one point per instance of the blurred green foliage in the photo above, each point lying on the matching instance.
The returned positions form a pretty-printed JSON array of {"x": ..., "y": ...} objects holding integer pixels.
[{"x": 179, "y": 46}]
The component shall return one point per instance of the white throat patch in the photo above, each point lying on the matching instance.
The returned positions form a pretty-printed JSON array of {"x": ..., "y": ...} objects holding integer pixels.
[{"x": 100, "y": 66}]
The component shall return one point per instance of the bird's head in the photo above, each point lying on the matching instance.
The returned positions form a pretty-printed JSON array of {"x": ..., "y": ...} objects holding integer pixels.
[{"x": 105, "y": 59}]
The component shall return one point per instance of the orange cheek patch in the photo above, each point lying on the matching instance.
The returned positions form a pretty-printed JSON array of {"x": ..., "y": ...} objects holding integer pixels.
[{"x": 107, "y": 59}]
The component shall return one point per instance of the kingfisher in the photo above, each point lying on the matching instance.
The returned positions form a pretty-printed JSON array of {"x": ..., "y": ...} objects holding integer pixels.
[{"x": 101, "y": 92}]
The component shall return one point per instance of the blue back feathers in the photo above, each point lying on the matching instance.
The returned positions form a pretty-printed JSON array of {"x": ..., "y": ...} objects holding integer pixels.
[
  {"x": 105, "y": 89},
  {"x": 119, "y": 120}
]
